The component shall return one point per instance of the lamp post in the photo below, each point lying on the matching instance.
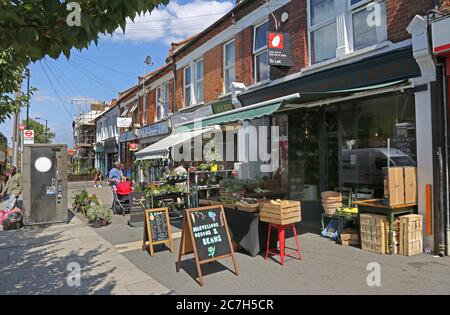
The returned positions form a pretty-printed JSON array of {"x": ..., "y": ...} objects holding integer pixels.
[{"x": 46, "y": 122}]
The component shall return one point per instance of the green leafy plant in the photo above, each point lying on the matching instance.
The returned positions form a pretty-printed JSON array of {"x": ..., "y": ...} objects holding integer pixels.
[
  {"x": 98, "y": 212},
  {"x": 203, "y": 167},
  {"x": 80, "y": 200},
  {"x": 230, "y": 185}
]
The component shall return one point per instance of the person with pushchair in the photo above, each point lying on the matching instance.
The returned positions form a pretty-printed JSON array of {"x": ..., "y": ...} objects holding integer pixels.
[{"x": 115, "y": 176}]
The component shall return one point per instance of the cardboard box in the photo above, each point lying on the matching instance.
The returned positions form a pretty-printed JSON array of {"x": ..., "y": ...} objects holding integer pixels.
[
  {"x": 394, "y": 186},
  {"x": 349, "y": 234},
  {"x": 410, "y": 178}
]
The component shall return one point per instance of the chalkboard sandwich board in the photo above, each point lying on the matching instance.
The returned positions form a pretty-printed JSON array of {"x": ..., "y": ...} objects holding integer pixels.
[
  {"x": 157, "y": 229},
  {"x": 138, "y": 205},
  {"x": 205, "y": 233}
]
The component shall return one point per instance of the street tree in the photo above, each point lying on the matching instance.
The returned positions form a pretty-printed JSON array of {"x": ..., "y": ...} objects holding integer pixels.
[
  {"x": 33, "y": 29},
  {"x": 41, "y": 133}
]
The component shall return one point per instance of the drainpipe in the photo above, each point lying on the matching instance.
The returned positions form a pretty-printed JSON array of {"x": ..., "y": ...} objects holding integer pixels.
[
  {"x": 174, "y": 69},
  {"x": 445, "y": 102}
]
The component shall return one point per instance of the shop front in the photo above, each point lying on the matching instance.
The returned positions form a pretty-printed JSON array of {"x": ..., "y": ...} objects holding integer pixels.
[
  {"x": 128, "y": 144},
  {"x": 100, "y": 158},
  {"x": 110, "y": 153},
  {"x": 348, "y": 124}
]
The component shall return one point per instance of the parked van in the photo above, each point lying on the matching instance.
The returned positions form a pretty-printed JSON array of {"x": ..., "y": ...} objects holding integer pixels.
[{"x": 363, "y": 168}]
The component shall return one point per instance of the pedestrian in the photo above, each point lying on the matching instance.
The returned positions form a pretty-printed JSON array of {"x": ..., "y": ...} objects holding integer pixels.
[
  {"x": 13, "y": 188},
  {"x": 115, "y": 175},
  {"x": 98, "y": 179}
]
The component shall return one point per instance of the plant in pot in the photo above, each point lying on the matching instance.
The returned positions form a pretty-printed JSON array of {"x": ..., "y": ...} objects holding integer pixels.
[
  {"x": 80, "y": 201},
  {"x": 232, "y": 187},
  {"x": 98, "y": 215}
]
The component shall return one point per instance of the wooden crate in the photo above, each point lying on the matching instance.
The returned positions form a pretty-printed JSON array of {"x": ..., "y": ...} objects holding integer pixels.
[
  {"x": 394, "y": 186},
  {"x": 411, "y": 235},
  {"x": 410, "y": 178},
  {"x": 374, "y": 233},
  {"x": 285, "y": 213},
  {"x": 250, "y": 208},
  {"x": 349, "y": 234}
]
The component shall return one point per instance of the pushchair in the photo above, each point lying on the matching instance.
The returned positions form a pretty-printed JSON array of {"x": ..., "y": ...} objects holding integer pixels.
[{"x": 121, "y": 203}]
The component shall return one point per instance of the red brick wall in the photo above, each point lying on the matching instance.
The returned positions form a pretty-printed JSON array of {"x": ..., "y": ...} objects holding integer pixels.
[
  {"x": 400, "y": 13},
  {"x": 444, "y": 6},
  {"x": 244, "y": 56},
  {"x": 179, "y": 91},
  {"x": 213, "y": 74}
]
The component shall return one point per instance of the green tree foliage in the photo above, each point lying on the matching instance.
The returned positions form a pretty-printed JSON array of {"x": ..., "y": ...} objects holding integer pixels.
[
  {"x": 40, "y": 136},
  {"x": 33, "y": 29}
]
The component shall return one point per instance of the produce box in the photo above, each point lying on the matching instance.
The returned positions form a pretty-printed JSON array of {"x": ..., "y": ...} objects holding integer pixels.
[
  {"x": 394, "y": 186},
  {"x": 374, "y": 233},
  {"x": 410, "y": 177},
  {"x": 247, "y": 207},
  {"x": 349, "y": 234},
  {"x": 350, "y": 243},
  {"x": 411, "y": 234},
  {"x": 280, "y": 211}
]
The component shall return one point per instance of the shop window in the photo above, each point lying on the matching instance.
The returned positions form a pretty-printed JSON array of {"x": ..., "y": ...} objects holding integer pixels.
[
  {"x": 281, "y": 174},
  {"x": 228, "y": 65},
  {"x": 260, "y": 52}
]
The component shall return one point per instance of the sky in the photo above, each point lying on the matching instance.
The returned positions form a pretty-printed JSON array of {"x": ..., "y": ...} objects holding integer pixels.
[{"x": 100, "y": 72}]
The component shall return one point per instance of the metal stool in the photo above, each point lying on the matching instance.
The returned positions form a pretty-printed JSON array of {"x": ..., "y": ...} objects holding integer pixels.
[{"x": 281, "y": 238}]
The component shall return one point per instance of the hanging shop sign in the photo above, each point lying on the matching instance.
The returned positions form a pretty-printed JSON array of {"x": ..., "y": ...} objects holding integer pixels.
[
  {"x": 205, "y": 233},
  {"x": 153, "y": 130},
  {"x": 133, "y": 146},
  {"x": 124, "y": 122},
  {"x": 157, "y": 229},
  {"x": 279, "y": 49},
  {"x": 441, "y": 36}
]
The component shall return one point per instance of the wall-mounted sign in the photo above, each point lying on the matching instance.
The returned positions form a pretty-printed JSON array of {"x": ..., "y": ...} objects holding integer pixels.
[
  {"x": 127, "y": 136},
  {"x": 28, "y": 137},
  {"x": 222, "y": 106},
  {"x": 124, "y": 122},
  {"x": 153, "y": 130},
  {"x": 133, "y": 146},
  {"x": 441, "y": 35},
  {"x": 185, "y": 117},
  {"x": 279, "y": 49}
]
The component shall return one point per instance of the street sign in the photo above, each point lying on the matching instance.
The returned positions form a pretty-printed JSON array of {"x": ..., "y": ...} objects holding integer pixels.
[
  {"x": 22, "y": 127},
  {"x": 279, "y": 49},
  {"x": 28, "y": 137}
]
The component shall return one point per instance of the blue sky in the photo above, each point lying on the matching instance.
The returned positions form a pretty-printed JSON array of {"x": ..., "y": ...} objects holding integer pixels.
[{"x": 99, "y": 72}]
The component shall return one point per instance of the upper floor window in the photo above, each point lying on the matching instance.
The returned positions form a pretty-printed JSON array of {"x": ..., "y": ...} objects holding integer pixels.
[
  {"x": 199, "y": 69},
  {"x": 323, "y": 32},
  {"x": 162, "y": 102},
  {"x": 364, "y": 25},
  {"x": 228, "y": 65},
  {"x": 260, "y": 52},
  {"x": 144, "y": 110},
  {"x": 369, "y": 23},
  {"x": 187, "y": 86}
]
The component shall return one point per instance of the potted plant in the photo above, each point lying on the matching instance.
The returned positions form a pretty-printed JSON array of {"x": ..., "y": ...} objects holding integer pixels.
[
  {"x": 98, "y": 215},
  {"x": 80, "y": 201}
]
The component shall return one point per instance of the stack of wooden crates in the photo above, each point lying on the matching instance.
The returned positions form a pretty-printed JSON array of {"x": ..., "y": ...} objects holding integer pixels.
[
  {"x": 400, "y": 185},
  {"x": 282, "y": 212},
  {"x": 407, "y": 230}
]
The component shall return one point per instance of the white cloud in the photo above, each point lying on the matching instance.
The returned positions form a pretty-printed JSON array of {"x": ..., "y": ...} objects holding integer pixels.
[{"x": 174, "y": 22}]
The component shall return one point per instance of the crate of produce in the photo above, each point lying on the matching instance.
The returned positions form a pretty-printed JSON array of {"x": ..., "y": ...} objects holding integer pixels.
[
  {"x": 243, "y": 205},
  {"x": 331, "y": 200},
  {"x": 411, "y": 234},
  {"x": 280, "y": 211},
  {"x": 374, "y": 233}
]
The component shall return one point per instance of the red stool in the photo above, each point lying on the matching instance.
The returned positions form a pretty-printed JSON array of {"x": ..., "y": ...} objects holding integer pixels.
[{"x": 281, "y": 237}]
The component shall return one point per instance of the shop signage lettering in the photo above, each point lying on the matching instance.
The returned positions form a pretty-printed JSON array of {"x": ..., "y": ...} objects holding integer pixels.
[
  {"x": 124, "y": 122},
  {"x": 205, "y": 233},
  {"x": 153, "y": 130},
  {"x": 157, "y": 229},
  {"x": 279, "y": 49},
  {"x": 127, "y": 136}
]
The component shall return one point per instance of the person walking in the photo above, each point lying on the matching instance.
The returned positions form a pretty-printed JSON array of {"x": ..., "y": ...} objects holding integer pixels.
[
  {"x": 115, "y": 176},
  {"x": 13, "y": 188}
]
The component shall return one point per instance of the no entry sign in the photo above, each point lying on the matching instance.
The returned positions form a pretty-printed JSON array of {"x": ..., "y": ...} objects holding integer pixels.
[{"x": 28, "y": 137}]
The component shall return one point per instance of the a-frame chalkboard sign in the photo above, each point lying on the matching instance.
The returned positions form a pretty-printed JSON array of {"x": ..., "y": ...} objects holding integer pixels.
[
  {"x": 205, "y": 233},
  {"x": 157, "y": 229}
]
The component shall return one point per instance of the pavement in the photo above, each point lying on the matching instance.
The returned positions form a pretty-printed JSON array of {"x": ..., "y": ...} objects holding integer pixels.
[
  {"x": 112, "y": 262},
  {"x": 68, "y": 259}
]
